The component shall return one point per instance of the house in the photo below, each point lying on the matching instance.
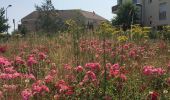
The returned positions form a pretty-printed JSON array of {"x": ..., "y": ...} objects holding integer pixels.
[
  {"x": 153, "y": 13},
  {"x": 87, "y": 18}
]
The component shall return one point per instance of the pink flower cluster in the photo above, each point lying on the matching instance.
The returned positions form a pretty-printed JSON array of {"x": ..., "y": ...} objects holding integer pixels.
[
  {"x": 6, "y": 76},
  {"x": 95, "y": 46},
  {"x": 4, "y": 62},
  {"x": 67, "y": 67},
  {"x": 19, "y": 60},
  {"x": 115, "y": 72},
  {"x": 12, "y": 74},
  {"x": 93, "y": 66},
  {"x": 26, "y": 94},
  {"x": 3, "y": 48},
  {"x": 153, "y": 96},
  {"x": 49, "y": 78},
  {"x": 79, "y": 69},
  {"x": 38, "y": 87},
  {"x": 64, "y": 88},
  {"x": 8, "y": 88},
  {"x": 29, "y": 76},
  {"x": 150, "y": 70},
  {"x": 42, "y": 56},
  {"x": 90, "y": 76},
  {"x": 31, "y": 60}
]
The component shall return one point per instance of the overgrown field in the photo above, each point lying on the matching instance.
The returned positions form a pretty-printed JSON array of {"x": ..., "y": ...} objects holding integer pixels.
[{"x": 88, "y": 66}]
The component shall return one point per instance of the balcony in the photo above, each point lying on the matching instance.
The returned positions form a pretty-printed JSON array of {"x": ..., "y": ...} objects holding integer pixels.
[{"x": 115, "y": 8}]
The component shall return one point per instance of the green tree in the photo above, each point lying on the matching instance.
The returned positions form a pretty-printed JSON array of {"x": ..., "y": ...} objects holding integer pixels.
[
  {"x": 127, "y": 14},
  {"x": 3, "y": 22},
  {"x": 48, "y": 20}
]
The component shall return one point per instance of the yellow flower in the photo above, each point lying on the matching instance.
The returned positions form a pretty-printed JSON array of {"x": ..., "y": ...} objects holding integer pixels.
[{"x": 122, "y": 38}]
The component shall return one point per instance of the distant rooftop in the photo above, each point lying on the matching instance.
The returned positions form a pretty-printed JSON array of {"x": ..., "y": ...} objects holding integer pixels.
[{"x": 67, "y": 13}]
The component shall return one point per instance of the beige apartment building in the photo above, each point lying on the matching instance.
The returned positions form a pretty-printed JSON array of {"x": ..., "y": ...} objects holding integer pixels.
[{"x": 154, "y": 13}]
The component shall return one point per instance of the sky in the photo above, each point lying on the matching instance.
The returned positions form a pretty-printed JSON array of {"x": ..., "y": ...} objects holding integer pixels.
[{"x": 21, "y": 8}]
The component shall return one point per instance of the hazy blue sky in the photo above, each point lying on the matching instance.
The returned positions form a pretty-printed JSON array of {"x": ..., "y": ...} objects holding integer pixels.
[{"x": 21, "y": 8}]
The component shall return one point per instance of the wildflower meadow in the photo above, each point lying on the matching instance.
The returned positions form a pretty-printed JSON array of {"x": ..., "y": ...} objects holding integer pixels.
[{"x": 105, "y": 64}]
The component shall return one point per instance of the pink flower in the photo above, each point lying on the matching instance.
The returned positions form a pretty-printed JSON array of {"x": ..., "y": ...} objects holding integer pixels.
[
  {"x": 114, "y": 73},
  {"x": 38, "y": 87},
  {"x": 3, "y": 48},
  {"x": 64, "y": 88},
  {"x": 48, "y": 79},
  {"x": 29, "y": 76},
  {"x": 147, "y": 70},
  {"x": 9, "y": 87},
  {"x": 126, "y": 47},
  {"x": 1, "y": 95},
  {"x": 67, "y": 67},
  {"x": 45, "y": 88},
  {"x": 159, "y": 71},
  {"x": 31, "y": 61},
  {"x": 79, "y": 69},
  {"x": 53, "y": 72},
  {"x": 133, "y": 53},
  {"x": 93, "y": 66},
  {"x": 150, "y": 70},
  {"x": 153, "y": 96},
  {"x": 89, "y": 76},
  {"x": 61, "y": 85},
  {"x": 19, "y": 60},
  {"x": 123, "y": 77},
  {"x": 4, "y": 62},
  {"x": 26, "y": 94},
  {"x": 16, "y": 75},
  {"x": 70, "y": 78},
  {"x": 6, "y": 76},
  {"x": 42, "y": 56},
  {"x": 9, "y": 70},
  {"x": 115, "y": 67}
]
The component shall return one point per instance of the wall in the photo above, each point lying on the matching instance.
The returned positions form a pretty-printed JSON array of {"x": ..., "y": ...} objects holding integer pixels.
[{"x": 151, "y": 13}]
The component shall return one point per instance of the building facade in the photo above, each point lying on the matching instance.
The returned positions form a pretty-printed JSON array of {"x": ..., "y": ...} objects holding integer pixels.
[{"x": 154, "y": 13}]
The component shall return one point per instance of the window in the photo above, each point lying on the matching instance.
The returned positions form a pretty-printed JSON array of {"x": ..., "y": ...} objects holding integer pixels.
[
  {"x": 25, "y": 22},
  {"x": 162, "y": 11},
  {"x": 149, "y": 1},
  {"x": 136, "y": 1},
  {"x": 150, "y": 22}
]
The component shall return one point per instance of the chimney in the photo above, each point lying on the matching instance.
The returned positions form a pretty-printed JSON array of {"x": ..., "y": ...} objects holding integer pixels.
[{"x": 93, "y": 13}]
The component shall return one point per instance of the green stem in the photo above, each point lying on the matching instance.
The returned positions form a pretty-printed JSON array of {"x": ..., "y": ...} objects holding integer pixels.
[{"x": 104, "y": 62}]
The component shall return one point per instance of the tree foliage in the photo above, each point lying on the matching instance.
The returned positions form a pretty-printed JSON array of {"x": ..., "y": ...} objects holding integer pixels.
[
  {"x": 48, "y": 20},
  {"x": 3, "y": 22},
  {"x": 127, "y": 14}
]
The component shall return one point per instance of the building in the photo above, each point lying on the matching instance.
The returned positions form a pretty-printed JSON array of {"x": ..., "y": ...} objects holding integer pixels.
[
  {"x": 85, "y": 17},
  {"x": 153, "y": 13}
]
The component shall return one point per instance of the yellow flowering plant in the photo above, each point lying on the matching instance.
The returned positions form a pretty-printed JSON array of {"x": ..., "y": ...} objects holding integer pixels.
[
  {"x": 122, "y": 38},
  {"x": 107, "y": 29},
  {"x": 137, "y": 32}
]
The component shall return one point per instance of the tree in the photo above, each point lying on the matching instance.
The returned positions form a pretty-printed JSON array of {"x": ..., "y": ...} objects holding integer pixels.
[
  {"x": 3, "y": 22},
  {"x": 127, "y": 14},
  {"x": 48, "y": 20}
]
